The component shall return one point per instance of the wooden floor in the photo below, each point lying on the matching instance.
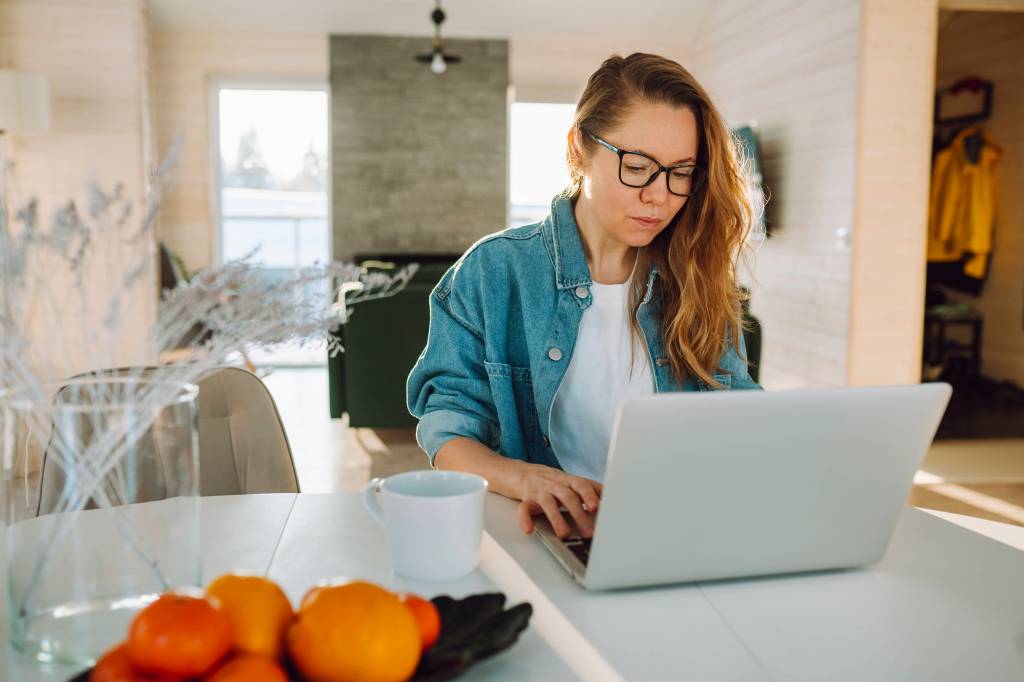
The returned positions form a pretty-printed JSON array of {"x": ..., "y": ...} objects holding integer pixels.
[
  {"x": 983, "y": 478},
  {"x": 329, "y": 456}
]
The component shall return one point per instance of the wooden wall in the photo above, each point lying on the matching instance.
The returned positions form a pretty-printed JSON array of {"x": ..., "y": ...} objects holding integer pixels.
[
  {"x": 793, "y": 68},
  {"x": 94, "y": 54},
  {"x": 897, "y": 82},
  {"x": 842, "y": 95},
  {"x": 184, "y": 66}
]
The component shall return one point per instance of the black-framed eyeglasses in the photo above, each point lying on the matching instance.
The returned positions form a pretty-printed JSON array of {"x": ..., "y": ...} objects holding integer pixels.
[{"x": 638, "y": 170}]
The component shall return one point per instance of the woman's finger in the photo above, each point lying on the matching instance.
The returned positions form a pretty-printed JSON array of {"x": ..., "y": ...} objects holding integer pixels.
[
  {"x": 526, "y": 509},
  {"x": 572, "y": 502},
  {"x": 585, "y": 489},
  {"x": 551, "y": 509}
]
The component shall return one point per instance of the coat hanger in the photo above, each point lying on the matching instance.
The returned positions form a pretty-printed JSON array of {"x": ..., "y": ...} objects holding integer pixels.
[{"x": 974, "y": 142}]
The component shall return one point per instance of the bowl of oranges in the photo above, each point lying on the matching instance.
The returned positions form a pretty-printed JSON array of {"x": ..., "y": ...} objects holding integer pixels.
[{"x": 243, "y": 628}]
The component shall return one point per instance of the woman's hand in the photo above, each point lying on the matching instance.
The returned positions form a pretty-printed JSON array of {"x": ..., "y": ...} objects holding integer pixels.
[
  {"x": 545, "y": 490},
  {"x": 542, "y": 489}
]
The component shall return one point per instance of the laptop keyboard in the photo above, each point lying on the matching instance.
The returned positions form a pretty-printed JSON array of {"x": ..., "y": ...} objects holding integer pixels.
[{"x": 579, "y": 546}]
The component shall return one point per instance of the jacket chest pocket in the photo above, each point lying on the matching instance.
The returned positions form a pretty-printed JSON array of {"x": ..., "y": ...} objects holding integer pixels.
[
  {"x": 512, "y": 392},
  {"x": 724, "y": 379}
]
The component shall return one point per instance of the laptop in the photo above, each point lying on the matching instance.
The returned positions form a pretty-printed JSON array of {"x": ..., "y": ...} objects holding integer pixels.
[{"x": 732, "y": 484}]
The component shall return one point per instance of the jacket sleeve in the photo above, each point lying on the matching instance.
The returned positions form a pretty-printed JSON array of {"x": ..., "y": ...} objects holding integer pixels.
[{"x": 448, "y": 390}]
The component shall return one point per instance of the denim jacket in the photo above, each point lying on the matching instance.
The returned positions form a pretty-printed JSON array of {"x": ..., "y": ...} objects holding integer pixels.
[{"x": 503, "y": 324}]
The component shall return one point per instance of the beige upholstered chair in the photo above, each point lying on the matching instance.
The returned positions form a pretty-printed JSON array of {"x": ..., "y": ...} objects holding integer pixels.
[
  {"x": 243, "y": 447},
  {"x": 242, "y": 443}
]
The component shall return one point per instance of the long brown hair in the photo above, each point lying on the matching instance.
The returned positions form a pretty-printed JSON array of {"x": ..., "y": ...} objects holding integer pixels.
[{"x": 698, "y": 253}]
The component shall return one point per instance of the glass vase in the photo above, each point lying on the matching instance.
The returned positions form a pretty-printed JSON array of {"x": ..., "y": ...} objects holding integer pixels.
[{"x": 101, "y": 501}]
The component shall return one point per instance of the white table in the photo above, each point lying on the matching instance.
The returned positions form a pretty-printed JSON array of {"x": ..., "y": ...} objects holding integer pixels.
[{"x": 944, "y": 604}]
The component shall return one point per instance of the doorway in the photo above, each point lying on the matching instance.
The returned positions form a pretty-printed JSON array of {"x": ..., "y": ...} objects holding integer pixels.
[{"x": 974, "y": 302}]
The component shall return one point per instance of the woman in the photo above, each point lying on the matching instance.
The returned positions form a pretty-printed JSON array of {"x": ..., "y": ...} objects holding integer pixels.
[{"x": 626, "y": 288}]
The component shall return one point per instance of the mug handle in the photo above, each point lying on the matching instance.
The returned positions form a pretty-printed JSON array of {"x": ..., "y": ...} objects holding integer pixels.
[{"x": 370, "y": 499}]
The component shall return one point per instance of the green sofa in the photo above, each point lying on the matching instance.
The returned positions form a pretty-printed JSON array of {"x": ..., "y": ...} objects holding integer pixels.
[{"x": 382, "y": 340}]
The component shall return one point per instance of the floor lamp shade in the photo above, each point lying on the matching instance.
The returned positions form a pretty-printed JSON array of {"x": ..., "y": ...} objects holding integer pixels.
[{"x": 24, "y": 102}]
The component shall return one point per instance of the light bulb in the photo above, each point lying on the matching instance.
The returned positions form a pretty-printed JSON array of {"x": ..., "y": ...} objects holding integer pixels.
[{"x": 437, "y": 64}]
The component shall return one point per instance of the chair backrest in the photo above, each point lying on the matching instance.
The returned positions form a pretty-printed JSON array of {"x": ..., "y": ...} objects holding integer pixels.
[{"x": 243, "y": 447}]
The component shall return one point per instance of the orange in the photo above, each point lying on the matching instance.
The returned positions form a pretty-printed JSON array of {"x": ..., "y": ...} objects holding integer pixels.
[
  {"x": 427, "y": 618},
  {"x": 116, "y": 666},
  {"x": 313, "y": 591},
  {"x": 319, "y": 585},
  {"x": 356, "y": 631},
  {"x": 179, "y": 635},
  {"x": 258, "y": 609},
  {"x": 249, "y": 668}
]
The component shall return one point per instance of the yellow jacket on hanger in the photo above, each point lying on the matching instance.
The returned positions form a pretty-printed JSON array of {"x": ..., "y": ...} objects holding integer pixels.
[{"x": 962, "y": 209}]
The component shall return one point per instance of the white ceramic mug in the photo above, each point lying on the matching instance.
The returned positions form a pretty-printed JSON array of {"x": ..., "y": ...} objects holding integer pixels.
[{"x": 434, "y": 521}]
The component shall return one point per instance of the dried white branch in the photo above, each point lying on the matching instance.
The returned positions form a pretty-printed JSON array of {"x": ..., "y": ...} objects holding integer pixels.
[{"x": 49, "y": 275}]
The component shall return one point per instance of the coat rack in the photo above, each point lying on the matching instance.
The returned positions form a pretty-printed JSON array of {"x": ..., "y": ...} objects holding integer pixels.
[
  {"x": 971, "y": 84},
  {"x": 974, "y": 143}
]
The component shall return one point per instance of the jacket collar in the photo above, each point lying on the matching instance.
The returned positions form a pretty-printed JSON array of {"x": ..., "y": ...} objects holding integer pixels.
[{"x": 563, "y": 236}]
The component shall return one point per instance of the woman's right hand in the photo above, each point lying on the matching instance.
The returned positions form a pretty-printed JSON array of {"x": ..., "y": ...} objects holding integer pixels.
[{"x": 545, "y": 490}]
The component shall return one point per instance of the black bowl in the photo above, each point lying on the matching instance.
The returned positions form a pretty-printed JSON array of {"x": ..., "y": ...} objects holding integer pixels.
[{"x": 472, "y": 629}]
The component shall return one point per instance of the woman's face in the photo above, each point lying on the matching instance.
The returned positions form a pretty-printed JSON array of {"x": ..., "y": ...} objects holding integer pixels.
[{"x": 666, "y": 133}]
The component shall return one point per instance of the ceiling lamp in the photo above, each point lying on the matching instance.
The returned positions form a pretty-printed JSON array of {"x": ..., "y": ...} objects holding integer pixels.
[{"x": 437, "y": 59}]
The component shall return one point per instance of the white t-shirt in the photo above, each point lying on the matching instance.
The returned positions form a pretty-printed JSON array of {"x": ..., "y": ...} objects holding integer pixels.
[{"x": 598, "y": 378}]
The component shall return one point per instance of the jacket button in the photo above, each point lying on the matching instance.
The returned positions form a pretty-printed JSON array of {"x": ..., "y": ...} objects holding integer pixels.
[
  {"x": 555, "y": 354},
  {"x": 544, "y": 439},
  {"x": 581, "y": 292},
  {"x": 661, "y": 362}
]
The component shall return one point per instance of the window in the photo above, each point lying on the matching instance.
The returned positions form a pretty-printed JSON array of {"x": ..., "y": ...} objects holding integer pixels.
[
  {"x": 537, "y": 158},
  {"x": 273, "y": 181},
  {"x": 273, "y": 176}
]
